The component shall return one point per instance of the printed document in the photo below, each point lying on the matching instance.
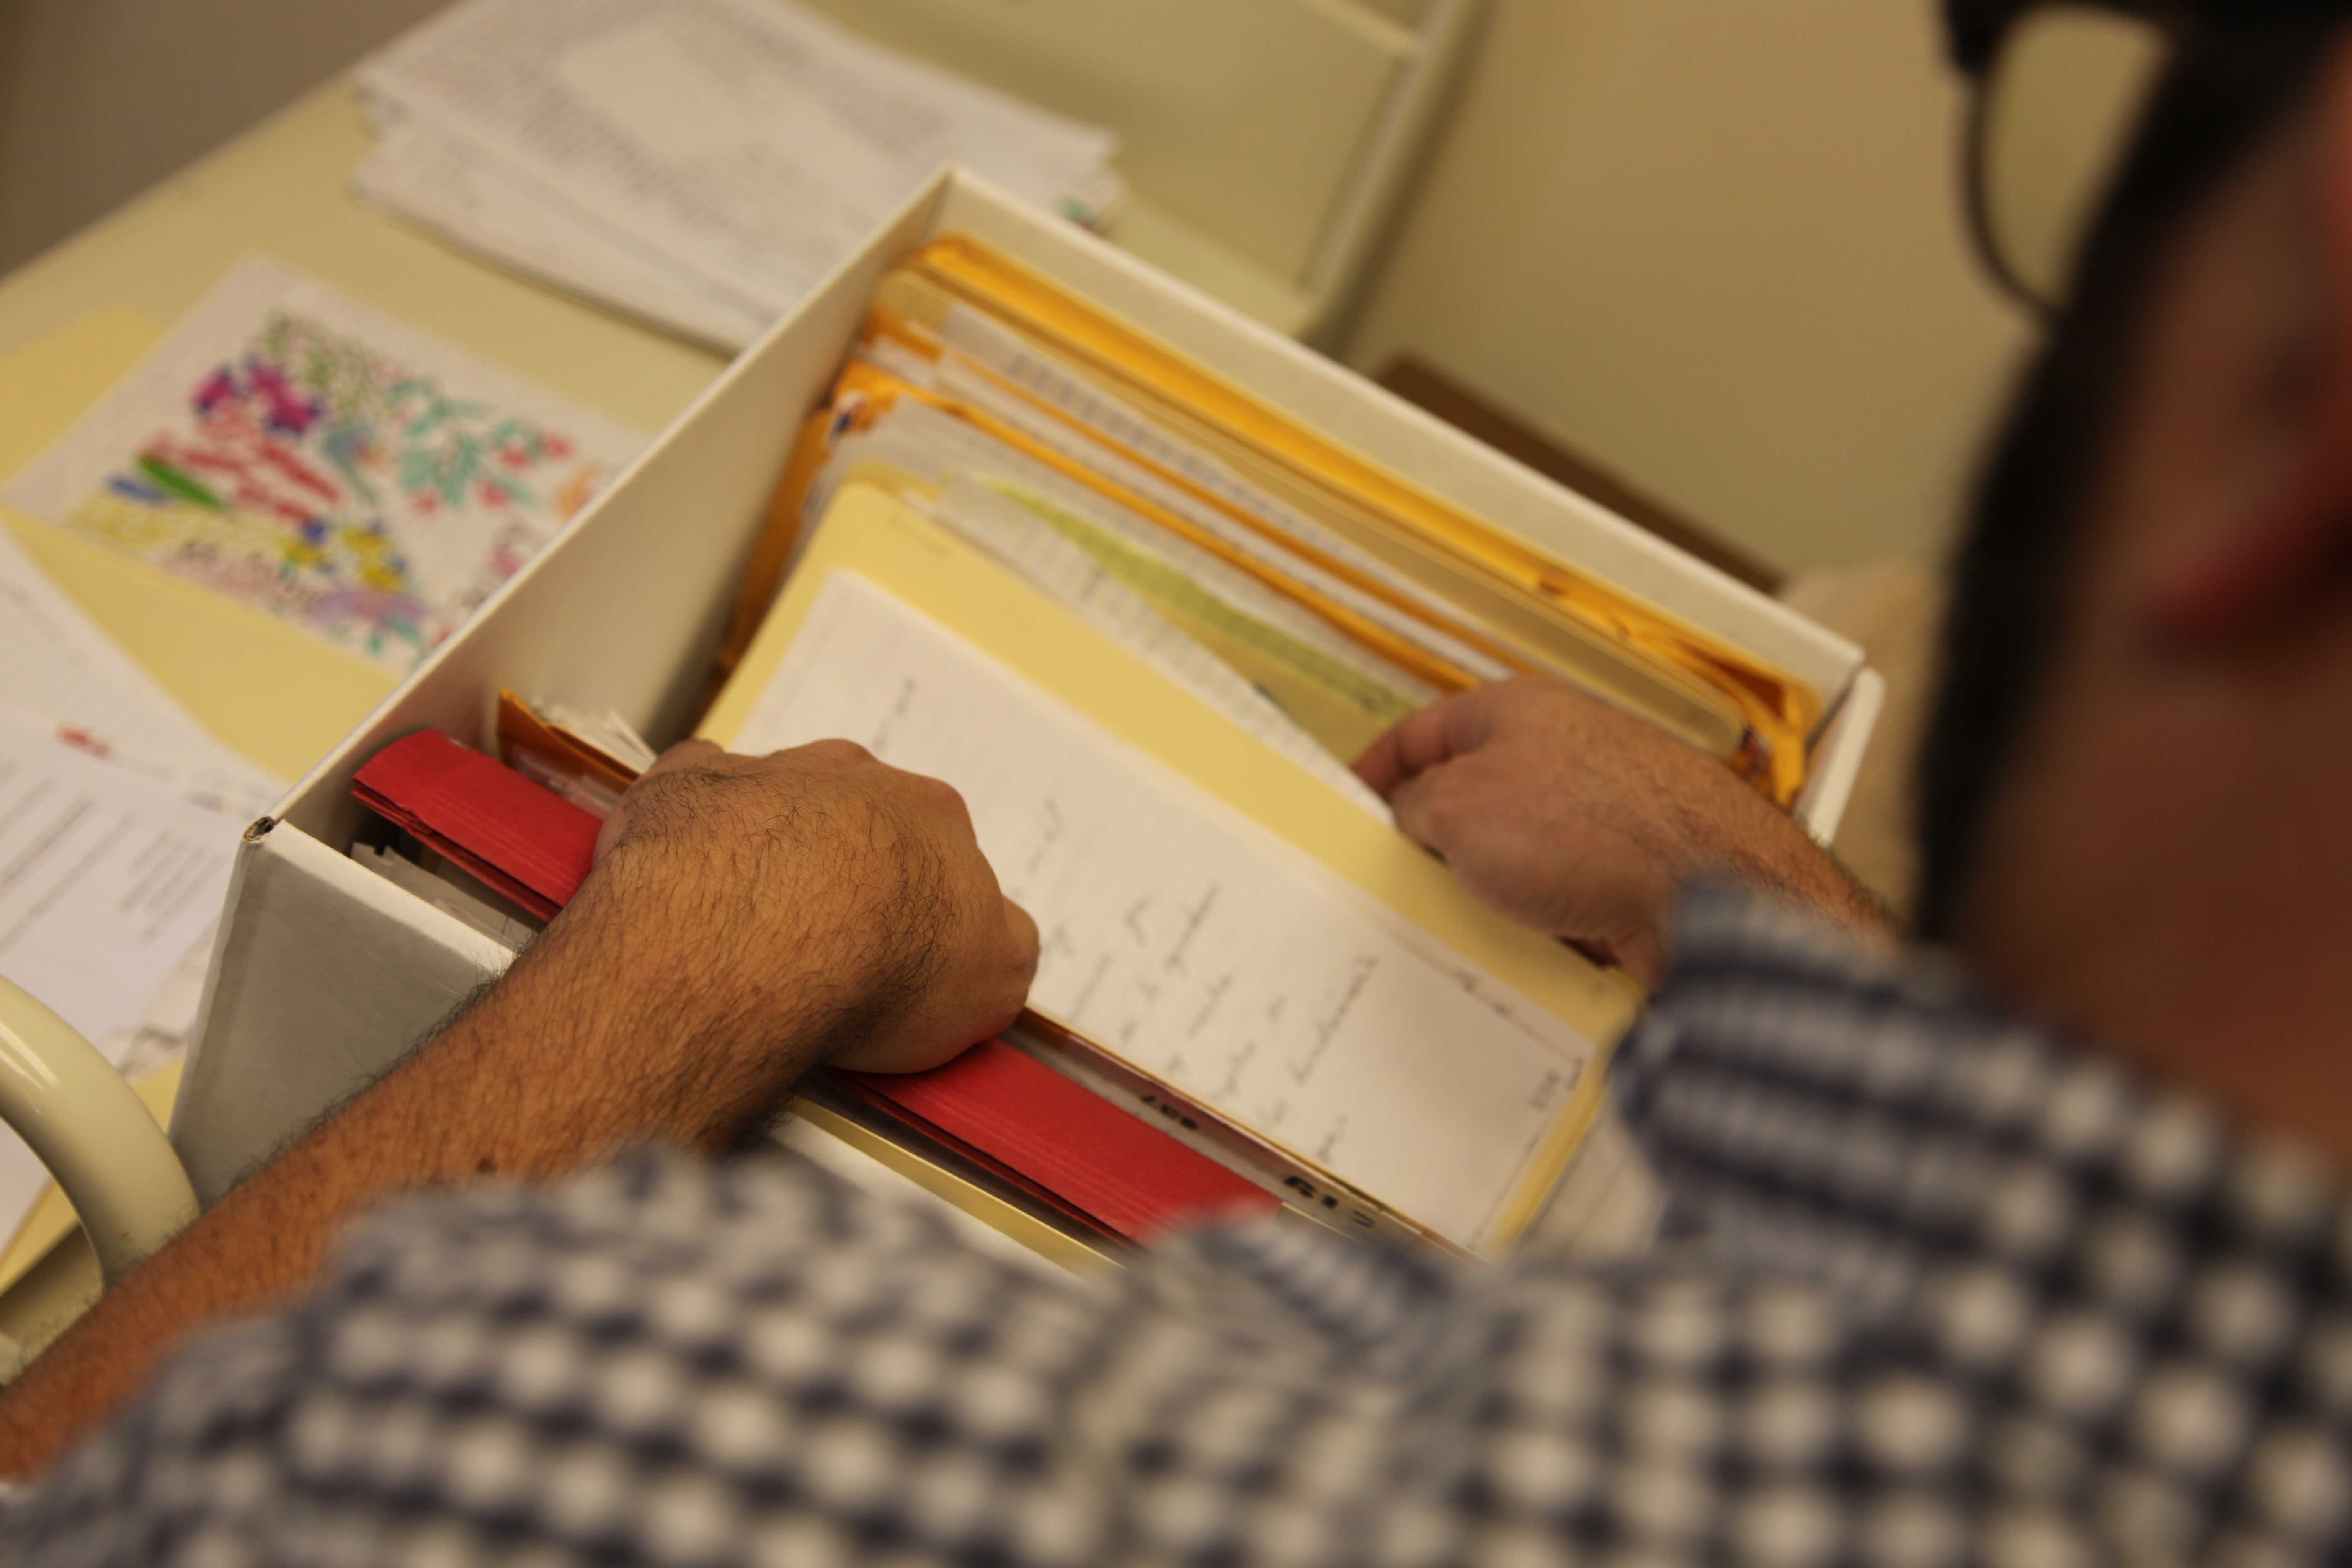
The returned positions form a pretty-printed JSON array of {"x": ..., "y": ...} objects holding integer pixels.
[
  {"x": 108, "y": 881},
  {"x": 59, "y": 673}
]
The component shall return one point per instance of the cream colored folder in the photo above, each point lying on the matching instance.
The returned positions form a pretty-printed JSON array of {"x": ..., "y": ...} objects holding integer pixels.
[{"x": 875, "y": 536}]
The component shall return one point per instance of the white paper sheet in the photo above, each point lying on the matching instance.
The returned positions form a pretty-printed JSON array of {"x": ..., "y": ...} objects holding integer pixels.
[
  {"x": 426, "y": 178},
  {"x": 747, "y": 145},
  {"x": 107, "y": 882},
  {"x": 60, "y": 673},
  {"x": 1180, "y": 933}
]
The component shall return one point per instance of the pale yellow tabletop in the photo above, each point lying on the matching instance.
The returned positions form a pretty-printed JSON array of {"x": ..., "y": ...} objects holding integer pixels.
[{"x": 73, "y": 319}]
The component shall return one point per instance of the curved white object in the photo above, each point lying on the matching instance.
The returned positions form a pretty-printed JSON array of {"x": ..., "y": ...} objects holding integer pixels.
[{"x": 115, "y": 1164}]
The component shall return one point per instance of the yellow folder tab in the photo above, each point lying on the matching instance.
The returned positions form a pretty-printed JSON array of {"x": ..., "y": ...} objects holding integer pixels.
[
  {"x": 1435, "y": 633},
  {"x": 274, "y": 693},
  {"x": 1490, "y": 609},
  {"x": 872, "y": 535},
  {"x": 1781, "y": 710}
]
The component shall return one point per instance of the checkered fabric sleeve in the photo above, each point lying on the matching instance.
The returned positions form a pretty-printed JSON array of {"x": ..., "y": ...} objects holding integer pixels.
[{"x": 1951, "y": 1293}]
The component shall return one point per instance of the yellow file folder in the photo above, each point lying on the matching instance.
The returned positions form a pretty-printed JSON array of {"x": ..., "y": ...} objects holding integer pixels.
[{"x": 873, "y": 536}]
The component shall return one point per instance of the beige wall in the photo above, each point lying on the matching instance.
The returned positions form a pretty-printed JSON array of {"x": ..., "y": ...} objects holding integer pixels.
[
  {"x": 1714, "y": 244},
  {"x": 99, "y": 98}
]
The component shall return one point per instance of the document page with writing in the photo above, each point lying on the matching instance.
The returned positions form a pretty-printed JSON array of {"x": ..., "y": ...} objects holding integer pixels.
[
  {"x": 106, "y": 881},
  {"x": 1184, "y": 936},
  {"x": 58, "y": 672}
]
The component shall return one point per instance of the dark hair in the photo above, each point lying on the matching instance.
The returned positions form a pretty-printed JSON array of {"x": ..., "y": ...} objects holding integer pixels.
[
  {"x": 2014, "y": 573},
  {"x": 1973, "y": 29}
]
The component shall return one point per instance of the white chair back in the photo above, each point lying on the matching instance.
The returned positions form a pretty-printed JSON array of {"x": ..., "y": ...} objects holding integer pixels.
[{"x": 85, "y": 1124}]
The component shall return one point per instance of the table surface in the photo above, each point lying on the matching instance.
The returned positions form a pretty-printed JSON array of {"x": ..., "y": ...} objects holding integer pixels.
[{"x": 70, "y": 321}]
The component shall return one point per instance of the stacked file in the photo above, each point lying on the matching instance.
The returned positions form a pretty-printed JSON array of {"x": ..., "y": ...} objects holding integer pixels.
[
  {"x": 118, "y": 816},
  {"x": 1293, "y": 583},
  {"x": 697, "y": 163}
]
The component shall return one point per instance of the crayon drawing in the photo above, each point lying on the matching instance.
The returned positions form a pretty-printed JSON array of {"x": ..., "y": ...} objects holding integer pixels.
[{"x": 339, "y": 470}]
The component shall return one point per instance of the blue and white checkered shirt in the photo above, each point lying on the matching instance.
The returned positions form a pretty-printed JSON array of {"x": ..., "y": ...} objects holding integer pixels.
[{"x": 1938, "y": 1289}]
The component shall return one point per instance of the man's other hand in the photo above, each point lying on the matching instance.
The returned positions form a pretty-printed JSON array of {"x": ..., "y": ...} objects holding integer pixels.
[{"x": 1570, "y": 816}]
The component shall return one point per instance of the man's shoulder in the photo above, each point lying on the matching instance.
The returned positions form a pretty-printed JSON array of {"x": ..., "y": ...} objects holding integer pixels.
[
  {"x": 752, "y": 1219},
  {"x": 771, "y": 1227}
]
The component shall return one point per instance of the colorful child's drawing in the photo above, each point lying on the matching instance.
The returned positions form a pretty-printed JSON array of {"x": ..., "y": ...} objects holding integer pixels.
[{"x": 303, "y": 455}]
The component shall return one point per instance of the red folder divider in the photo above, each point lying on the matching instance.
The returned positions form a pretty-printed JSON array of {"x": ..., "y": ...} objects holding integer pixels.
[
  {"x": 528, "y": 842},
  {"x": 1129, "y": 1175},
  {"x": 536, "y": 848}
]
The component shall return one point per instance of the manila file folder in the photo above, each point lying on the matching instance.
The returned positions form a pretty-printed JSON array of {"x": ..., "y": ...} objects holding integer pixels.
[{"x": 874, "y": 540}]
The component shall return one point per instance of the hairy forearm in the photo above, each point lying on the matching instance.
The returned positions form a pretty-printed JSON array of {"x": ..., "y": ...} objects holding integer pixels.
[
  {"x": 1789, "y": 864},
  {"x": 550, "y": 1073},
  {"x": 748, "y": 919}
]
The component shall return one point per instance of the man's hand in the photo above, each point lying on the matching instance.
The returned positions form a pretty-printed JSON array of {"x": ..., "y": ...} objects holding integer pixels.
[
  {"x": 1577, "y": 819},
  {"x": 817, "y": 893},
  {"x": 747, "y": 921}
]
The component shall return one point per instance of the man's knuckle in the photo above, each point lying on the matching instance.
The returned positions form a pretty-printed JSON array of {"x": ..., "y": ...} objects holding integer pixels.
[
  {"x": 1447, "y": 801},
  {"x": 837, "y": 751}
]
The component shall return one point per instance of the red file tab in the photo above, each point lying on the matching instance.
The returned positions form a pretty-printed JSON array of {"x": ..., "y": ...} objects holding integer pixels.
[
  {"x": 527, "y": 842},
  {"x": 1132, "y": 1177}
]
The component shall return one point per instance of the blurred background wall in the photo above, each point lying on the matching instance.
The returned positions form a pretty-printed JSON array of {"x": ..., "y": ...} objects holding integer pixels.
[
  {"x": 99, "y": 98},
  {"x": 1708, "y": 245},
  {"x": 1715, "y": 245}
]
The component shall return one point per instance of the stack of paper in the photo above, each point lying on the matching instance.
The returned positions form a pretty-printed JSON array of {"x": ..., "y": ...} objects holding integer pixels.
[
  {"x": 1303, "y": 591},
  {"x": 699, "y": 163},
  {"x": 1139, "y": 618},
  {"x": 118, "y": 818}
]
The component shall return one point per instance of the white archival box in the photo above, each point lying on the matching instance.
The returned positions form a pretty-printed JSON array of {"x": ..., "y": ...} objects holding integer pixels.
[{"x": 324, "y": 973}]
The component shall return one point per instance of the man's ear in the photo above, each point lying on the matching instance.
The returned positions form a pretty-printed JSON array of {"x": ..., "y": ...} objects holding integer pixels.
[{"x": 2295, "y": 537}]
